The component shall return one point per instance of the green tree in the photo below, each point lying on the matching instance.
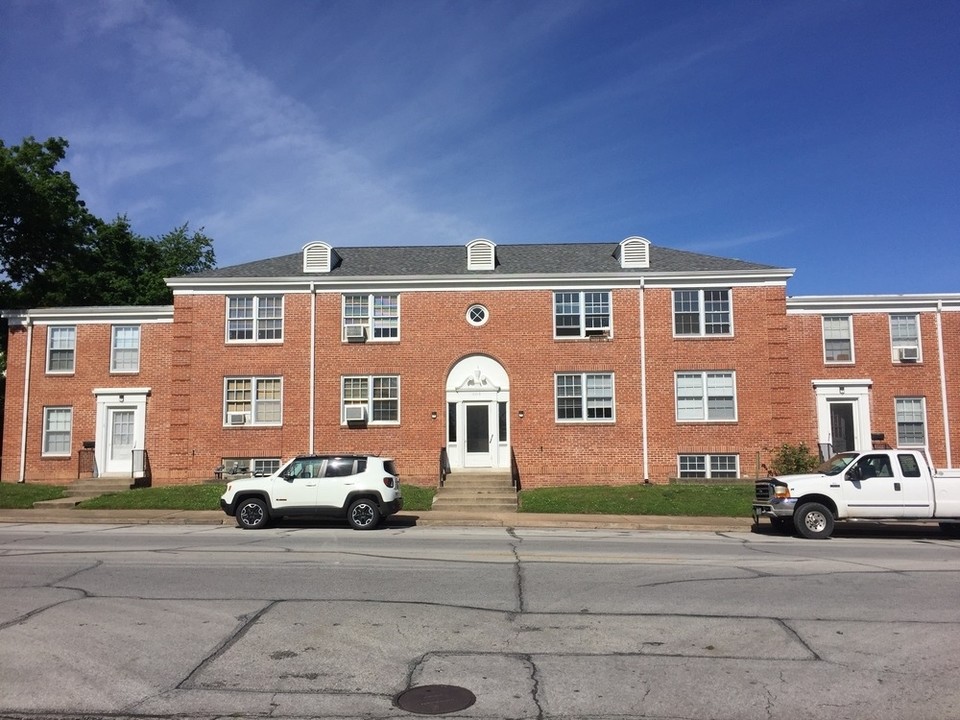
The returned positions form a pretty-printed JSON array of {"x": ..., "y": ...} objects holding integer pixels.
[
  {"x": 42, "y": 219},
  {"x": 53, "y": 252}
]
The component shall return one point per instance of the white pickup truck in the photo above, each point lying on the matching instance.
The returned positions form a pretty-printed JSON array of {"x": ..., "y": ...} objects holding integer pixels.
[{"x": 874, "y": 485}]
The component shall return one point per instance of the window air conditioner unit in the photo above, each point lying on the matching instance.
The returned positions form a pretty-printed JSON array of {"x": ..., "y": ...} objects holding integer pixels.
[
  {"x": 356, "y": 333},
  {"x": 355, "y": 413},
  {"x": 910, "y": 353},
  {"x": 236, "y": 418}
]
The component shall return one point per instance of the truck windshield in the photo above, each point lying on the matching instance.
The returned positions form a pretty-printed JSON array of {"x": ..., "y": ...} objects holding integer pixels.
[{"x": 836, "y": 464}]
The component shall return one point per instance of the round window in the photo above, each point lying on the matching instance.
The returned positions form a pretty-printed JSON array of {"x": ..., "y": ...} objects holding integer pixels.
[{"x": 477, "y": 315}]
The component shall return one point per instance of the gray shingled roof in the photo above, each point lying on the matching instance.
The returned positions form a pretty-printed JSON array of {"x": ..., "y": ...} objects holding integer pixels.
[{"x": 433, "y": 260}]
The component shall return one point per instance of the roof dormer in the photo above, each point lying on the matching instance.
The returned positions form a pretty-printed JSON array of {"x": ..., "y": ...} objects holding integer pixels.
[
  {"x": 318, "y": 257},
  {"x": 481, "y": 255},
  {"x": 634, "y": 252}
]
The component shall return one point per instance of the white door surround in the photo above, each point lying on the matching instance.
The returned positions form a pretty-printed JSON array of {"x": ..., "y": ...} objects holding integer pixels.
[
  {"x": 121, "y": 429},
  {"x": 478, "y": 397},
  {"x": 840, "y": 404}
]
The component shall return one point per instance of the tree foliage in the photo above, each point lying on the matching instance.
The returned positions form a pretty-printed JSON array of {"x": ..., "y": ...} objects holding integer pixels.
[{"x": 54, "y": 252}]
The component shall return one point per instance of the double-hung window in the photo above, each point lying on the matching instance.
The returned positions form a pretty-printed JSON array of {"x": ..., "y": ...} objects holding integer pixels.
[
  {"x": 581, "y": 313},
  {"x": 373, "y": 316},
  {"x": 125, "y": 349},
  {"x": 375, "y": 397},
  {"x": 837, "y": 339},
  {"x": 911, "y": 422},
  {"x": 57, "y": 430},
  {"x": 61, "y": 348},
  {"x": 253, "y": 401},
  {"x": 255, "y": 318},
  {"x": 584, "y": 397},
  {"x": 698, "y": 313},
  {"x": 708, "y": 466},
  {"x": 905, "y": 338},
  {"x": 706, "y": 396}
]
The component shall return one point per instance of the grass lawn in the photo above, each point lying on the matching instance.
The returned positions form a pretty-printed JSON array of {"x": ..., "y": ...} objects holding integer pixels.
[
  {"x": 705, "y": 500},
  {"x": 24, "y": 495},
  {"x": 718, "y": 500},
  {"x": 170, "y": 497}
]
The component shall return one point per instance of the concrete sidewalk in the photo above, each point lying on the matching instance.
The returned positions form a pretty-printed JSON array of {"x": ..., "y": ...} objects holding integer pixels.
[{"x": 403, "y": 519}]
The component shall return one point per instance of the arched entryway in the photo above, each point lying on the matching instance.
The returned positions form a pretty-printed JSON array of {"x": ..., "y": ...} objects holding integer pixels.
[{"x": 478, "y": 417}]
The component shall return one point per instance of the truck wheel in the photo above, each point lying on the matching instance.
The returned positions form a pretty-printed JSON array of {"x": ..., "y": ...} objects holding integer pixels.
[
  {"x": 252, "y": 514},
  {"x": 363, "y": 514},
  {"x": 813, "y": 520}
]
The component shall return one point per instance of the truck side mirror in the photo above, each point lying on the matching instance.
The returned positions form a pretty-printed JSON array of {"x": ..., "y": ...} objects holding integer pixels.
[{"x": 855, "y": 473}]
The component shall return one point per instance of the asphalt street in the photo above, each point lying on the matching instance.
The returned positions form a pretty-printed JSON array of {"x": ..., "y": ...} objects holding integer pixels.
[{"x": 206, "y": 621}]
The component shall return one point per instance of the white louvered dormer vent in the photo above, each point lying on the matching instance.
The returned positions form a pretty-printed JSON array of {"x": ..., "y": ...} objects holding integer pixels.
[
  {"x": 634, "y": 252},
  {"x": 318, "y": 257},
  {"x": 481, "y": 255}
]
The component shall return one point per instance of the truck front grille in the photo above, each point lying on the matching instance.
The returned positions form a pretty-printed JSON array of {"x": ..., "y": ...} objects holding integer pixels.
[{"x": 764, "y": 491}]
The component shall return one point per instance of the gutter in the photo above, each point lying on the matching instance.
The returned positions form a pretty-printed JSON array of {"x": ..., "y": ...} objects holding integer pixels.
[
  {"x": 943, "y": 385},
  {"x": 21, "y": 477},
  {"x": 643, "y": 383}
]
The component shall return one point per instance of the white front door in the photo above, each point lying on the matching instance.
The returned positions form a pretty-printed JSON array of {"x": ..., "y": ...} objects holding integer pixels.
[
  {"x": 120, "y": 440},
  {"x": 479, "y": 434}
]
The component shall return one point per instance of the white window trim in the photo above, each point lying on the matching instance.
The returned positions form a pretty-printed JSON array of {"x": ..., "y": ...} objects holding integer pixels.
[
  {"x": 583, "y": 388},
  {"x": 701, "y": 305},
  {"x": 368, "y": 322},
  {"x": 606, "y": 332},
  {"x": 369, "y": 402},
  {"x": 252, "y": 414},
  {"x": 823, "y": 338},
  {"x": 477, "y": 306},
  {"x": 896, "y": 421},
  {"x": 255, "y": 340},
  {"x": 706, "y": 398},
  {"x": 895, "y": 347},
  {"x": 50, "y": 349},
  {"x": 44, "y": 437},
  {"x": 707, "y": 457},
  {"x": 113, "y": 349}
]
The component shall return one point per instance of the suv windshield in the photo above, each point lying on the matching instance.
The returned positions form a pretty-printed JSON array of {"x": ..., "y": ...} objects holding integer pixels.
[{"x": 837, "y": 464}]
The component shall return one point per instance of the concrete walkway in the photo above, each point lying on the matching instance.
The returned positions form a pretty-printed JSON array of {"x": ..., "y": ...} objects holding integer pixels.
[{"x": 403, "y": 519}]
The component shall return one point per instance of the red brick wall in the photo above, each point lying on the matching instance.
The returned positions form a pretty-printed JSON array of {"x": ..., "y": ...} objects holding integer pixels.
[
  {"x": 92, "y": 370},
  {"x": 775, "y": 357}
]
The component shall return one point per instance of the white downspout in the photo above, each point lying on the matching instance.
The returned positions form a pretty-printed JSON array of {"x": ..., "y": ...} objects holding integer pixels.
[
  {"x": 943, "y": 384},
  {"x": 643, "y": 384},
  {"x": 26, "y": 402},
  {"x": 313, "y": 362}
]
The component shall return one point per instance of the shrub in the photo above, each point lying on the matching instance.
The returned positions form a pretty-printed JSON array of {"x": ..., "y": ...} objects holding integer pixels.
[{"x": 792, "y": 459}]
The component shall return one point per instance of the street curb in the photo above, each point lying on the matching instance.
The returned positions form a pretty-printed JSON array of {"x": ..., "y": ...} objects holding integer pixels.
[{"x": 429, "y": 518}]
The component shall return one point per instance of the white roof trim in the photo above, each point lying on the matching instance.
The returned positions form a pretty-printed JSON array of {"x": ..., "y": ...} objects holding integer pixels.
[{"x": 141, "y": 314}]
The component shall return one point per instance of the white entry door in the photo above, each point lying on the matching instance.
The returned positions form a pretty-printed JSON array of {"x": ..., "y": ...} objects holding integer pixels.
[
  {"x": 120, "y": 440},
  {"x": 479, "y": 433}
]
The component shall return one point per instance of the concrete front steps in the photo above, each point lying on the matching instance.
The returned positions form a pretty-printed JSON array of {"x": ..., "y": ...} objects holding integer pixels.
[
  {"x": 81, "y": 490},
  {"x": 477, "y": 491}
]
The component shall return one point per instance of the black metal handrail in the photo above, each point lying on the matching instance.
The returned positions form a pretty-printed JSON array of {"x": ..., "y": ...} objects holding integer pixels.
[
  {"x": 514, "y": 470},
  {"x": 444, "y": 465}
]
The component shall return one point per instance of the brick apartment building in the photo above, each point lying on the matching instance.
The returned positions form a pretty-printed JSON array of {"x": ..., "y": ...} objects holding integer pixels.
[{"x": 597, "y": 363}]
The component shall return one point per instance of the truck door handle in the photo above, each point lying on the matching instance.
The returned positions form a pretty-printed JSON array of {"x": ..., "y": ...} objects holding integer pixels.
[{"x": 896, "y": 486}]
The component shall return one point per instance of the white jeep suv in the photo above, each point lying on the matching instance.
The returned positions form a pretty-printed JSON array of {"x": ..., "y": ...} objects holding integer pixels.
[{"x": 362, "y": 488}]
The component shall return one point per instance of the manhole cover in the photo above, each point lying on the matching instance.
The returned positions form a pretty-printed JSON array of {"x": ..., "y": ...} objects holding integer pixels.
[{"x": 435, "y": 699}]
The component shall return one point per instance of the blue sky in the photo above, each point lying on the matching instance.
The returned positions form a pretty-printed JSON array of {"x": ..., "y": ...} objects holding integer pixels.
[{"x": 818, "y": 135}]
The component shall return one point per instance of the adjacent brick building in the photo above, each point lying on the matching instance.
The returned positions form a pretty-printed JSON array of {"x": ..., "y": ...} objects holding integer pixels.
[{"x": 567, "y": 364}]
